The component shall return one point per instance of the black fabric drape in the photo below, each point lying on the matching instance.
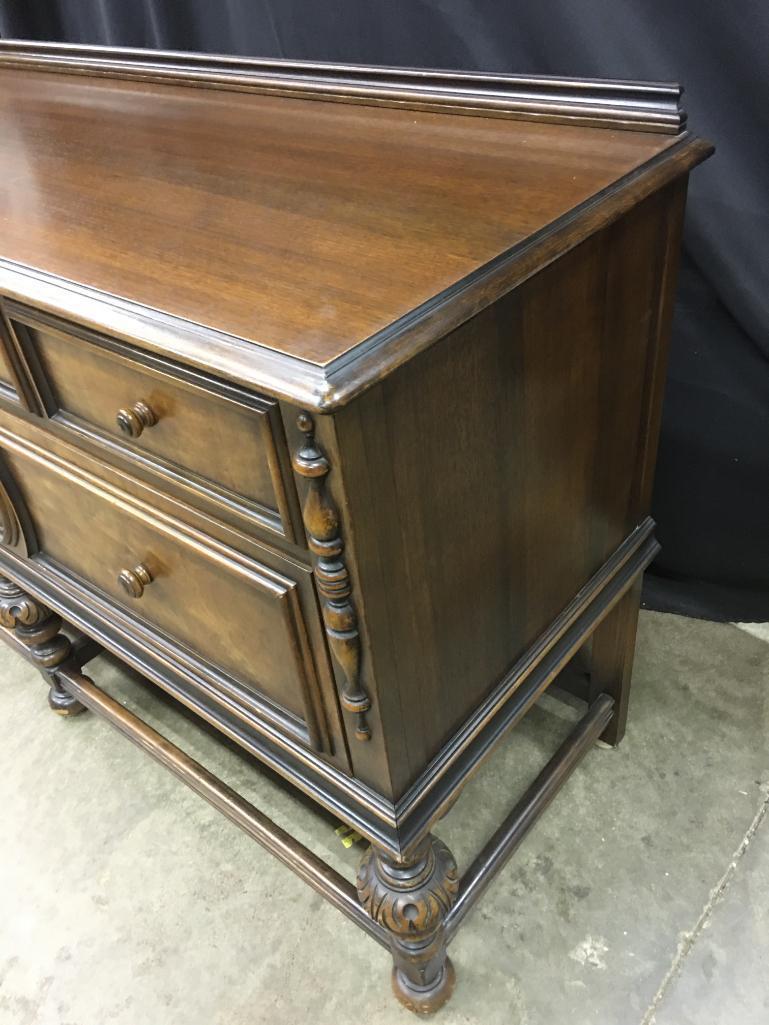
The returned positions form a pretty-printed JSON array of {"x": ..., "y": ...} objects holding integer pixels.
[{"x": 712, "y": 494}]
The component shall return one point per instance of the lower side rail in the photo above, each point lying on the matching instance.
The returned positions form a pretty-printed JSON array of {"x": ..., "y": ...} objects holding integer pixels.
[
  {"x": 326, "y": 880},
  {"x": 528, "y": 809},
  {"x": 312, "y": 869}
]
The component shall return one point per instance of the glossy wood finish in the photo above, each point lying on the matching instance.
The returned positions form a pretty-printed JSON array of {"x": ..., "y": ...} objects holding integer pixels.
[
  {"x": 348, "y": 444},
  {"x": 238, "y": 195},
  {"x": 332, "y": 385}
]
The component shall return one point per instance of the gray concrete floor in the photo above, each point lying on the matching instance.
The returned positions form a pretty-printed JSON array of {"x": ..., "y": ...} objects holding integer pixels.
[{"x": 642, "y": 896}]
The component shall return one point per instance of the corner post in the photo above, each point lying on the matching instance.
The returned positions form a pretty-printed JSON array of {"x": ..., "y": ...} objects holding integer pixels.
[
  {"x": 410, "y": 898},
  {"x": 613, "y": 649}
]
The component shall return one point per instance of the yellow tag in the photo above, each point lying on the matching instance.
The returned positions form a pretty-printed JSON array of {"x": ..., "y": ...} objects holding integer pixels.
[{"x": 347, "y": 835}]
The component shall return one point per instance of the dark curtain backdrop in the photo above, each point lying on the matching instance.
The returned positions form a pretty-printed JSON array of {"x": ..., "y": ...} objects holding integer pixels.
[{"x": 712, "y": 494}]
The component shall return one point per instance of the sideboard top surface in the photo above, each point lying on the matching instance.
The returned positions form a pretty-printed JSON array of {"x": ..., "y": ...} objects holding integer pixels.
[
  {"x": 305, "y": 226},
  {"x": 293, "y": 226}
]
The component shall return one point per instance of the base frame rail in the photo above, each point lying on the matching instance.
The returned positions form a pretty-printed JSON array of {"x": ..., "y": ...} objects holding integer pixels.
[{"x": 423, "y": 976}]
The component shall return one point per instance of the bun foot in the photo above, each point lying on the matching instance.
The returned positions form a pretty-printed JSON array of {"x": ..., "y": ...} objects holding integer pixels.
[
  {"x": 63, "y": 703},
  {"x": 425, "y": 999}
]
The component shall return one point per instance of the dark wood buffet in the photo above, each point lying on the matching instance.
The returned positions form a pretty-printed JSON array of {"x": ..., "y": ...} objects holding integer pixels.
[{"x": 329, "y": 401}]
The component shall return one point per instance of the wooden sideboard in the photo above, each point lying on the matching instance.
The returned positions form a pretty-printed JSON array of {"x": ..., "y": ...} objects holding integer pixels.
[{"x": 329, "y": 400}]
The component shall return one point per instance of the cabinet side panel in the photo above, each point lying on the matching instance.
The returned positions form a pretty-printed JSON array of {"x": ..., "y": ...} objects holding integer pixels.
[{"x": 490, "y": 477}]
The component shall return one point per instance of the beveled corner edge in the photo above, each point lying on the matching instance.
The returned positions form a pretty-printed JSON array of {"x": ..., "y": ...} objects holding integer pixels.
[
  {"x": 634, "y": 106},
  {"x": 324, "y": 388},
  {"x": 382, "y": 353}
]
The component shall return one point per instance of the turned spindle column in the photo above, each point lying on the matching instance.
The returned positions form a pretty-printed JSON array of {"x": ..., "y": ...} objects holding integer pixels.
[{"x": 411, "y": 899}]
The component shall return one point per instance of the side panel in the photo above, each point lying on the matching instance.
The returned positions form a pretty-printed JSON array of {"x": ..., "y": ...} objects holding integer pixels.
[{"x": 489, "y": 478}]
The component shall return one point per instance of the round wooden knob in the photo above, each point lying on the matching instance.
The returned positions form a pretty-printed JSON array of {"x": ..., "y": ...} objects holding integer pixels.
[
  {"x": 133, "y": 581},
  {"x": 135, "y": 418}
]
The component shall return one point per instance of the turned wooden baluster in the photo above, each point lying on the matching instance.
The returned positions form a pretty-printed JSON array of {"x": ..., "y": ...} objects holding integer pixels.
[
  {"x": 40, "y": 630},
  {"x": 411, "y": 899},
  {"x": 321, "y": 519}
]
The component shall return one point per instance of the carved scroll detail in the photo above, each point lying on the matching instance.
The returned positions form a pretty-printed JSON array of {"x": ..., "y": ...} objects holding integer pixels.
[
  {"x": 17, "y": 608},
  {"x": 9, "y": 523},
  {"x": 16, "y": 531},
  {"x": 321, "y": 519},
  {"x": 413, "y": 897},
  {"x": 39, "y": 630}
]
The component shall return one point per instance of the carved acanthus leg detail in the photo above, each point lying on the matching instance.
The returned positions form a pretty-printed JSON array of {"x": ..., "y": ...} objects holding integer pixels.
[
  {"x": 411, "y": 899},
  {"x": 39, "y": 629},
  {"x": 321, "y": 519}
]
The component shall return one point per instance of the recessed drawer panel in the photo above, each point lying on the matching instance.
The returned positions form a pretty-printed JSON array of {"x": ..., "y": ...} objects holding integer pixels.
[
  {"x": 203, "y": 436},
  {"x": 252, "y": 627}
]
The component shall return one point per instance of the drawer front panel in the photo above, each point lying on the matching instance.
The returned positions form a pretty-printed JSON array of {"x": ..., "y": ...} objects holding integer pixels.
[
  {"x": 252, "y": 626},
  {"x": 202, "y": 435}
]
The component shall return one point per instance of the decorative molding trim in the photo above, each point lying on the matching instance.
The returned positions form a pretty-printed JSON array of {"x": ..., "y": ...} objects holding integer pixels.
[
  {"x": 199, "y": 346},
  {"x": 17, "y": 608},
  {"x": 10, "y": 531},
  {"x": 438, "y": 786},
  {"x": 644, "y": 106},
  {"x": 345, "y": 797},
  {"x": 321, "y": 519}
]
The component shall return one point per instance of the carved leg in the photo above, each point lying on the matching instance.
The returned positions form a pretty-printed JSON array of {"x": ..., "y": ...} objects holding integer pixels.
[
  {"x": 611, "y": 662},
  {"x": 410, "y": 899},
  {"x": 39, "y": 629}
]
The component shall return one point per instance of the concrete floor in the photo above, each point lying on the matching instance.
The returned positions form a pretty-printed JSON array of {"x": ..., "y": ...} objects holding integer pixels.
[{"x": 642, "y": 896}]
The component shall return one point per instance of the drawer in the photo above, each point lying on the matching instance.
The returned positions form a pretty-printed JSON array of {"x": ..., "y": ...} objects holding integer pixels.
[
  {"x": 205, "y": 438},
  {"x": 251, "y": 628}
]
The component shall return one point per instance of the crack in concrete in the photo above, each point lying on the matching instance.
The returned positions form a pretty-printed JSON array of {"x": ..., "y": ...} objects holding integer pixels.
[{"x": 688, "y": 939}]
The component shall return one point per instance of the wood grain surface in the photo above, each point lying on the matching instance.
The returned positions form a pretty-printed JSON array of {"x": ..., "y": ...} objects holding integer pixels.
[{"x": 303, "y": 226}]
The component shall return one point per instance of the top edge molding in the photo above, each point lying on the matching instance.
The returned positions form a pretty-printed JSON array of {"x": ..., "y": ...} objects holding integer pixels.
[
  {"x": 327, "y": 388},
  {"x": 638, "y": 106}
]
